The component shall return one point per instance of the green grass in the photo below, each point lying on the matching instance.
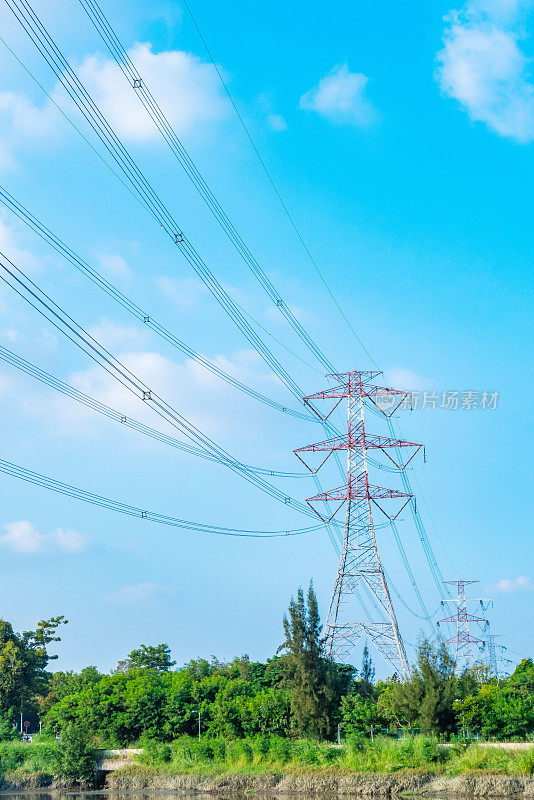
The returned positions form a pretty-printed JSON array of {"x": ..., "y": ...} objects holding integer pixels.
[
  {"x": 264, "y": 754},
  {"x": 275, "y": 754},
  {"x": 492, "y": 760},
  {"x": 38, "y": 757}
]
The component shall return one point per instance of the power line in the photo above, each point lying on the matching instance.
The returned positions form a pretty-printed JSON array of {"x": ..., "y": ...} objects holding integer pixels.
[
  {"x": 137, "y": 83},
  {"x": 31, "y": 23},
  {"x": 53, "y": 485},
  {"x": 75, "y": 394},
  {"x": 30, "y": 292},
  {"x": 427, "y": 548},
  {"x": 86, "y": 105},
  {"x": 274, "y": 186},
  {"x": 129, "y": 305}
]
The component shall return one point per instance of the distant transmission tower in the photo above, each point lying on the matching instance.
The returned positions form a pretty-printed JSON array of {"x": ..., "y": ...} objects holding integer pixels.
[
  {"x": 359, "y": 563},
  {"x": 464, "y": 654}
]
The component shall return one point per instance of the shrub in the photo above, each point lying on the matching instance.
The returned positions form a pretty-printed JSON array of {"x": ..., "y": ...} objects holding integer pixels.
[
  {"x": 76, "y": 755},
  {"x": 8, "y": 731}
]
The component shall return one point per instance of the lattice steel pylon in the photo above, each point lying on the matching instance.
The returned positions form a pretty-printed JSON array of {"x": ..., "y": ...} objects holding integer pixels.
[
  {"x": 464, "y": 638},
  {"x": 360, "y": 562}
]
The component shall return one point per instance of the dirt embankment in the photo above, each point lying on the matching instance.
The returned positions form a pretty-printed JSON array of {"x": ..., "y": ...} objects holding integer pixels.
[
  {"x": 356, "y": 785},
  {"x": 19, "y": 781}
]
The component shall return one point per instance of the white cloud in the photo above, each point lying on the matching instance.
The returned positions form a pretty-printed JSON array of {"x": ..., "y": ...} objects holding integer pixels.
[
  {"x": 407, "y": 380},
  {"x": 19, "y": 256},
  {"x": 186, "y": 292},
  {"x": 135, "y": 594},
  {"x": 20, "y": 117},
  {"x": 23, "y": 537},
  {"x": 11, "y": 334},
  {"x": 483, "y": 66},
  {"x": 198, "y": 394},
  {"x": 512, "y": 585},
  {"x": 272, "y": 313},
  {"x": 22, "y": 121},
  {"x": 114, "y": 265},
  {"x": 113, "y": 336},
  {"x": 340, "y": 96},
  {"x": 187, "y": 88},
  {"x": 277, "y": 122}
]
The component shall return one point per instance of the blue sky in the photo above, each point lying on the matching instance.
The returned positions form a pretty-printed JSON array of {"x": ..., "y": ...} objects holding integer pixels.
[{"x": 401, "y": 140}]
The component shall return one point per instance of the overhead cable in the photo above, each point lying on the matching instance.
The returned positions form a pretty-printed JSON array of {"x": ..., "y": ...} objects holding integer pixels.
[
  {"x": 273, "y": 184},
  {"x": 38, "y": 479},
  {"x": 27, "y": 289},
  {"x": 138, "y": 84},
  {"x": 75, "y": 394},
  {"x": 33, "y": 26},
  {"x": 129, "y": 305}
]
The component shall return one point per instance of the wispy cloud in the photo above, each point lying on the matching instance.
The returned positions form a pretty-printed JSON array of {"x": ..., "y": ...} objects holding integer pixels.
[
  {"x": 340, "y": 97},
  {"x": 113, "y": 335},
  {"x": 114, "y": 265},
  {"x": 9, "y": 244},
  {"x": 136, "y": 594},
  {"x": 197, "y": 393},
  {"x": 483, "y": 67},
  {"x": 277, "y": 122},
  {"x": 407, "y": 380},
  {"x": 23, "y": 537},
  {"x": 22, "y": 121},
  {"x": 185, "y": 292},
  {"x": 512, "y": 585},
  {"x": 188, "y": 89}
]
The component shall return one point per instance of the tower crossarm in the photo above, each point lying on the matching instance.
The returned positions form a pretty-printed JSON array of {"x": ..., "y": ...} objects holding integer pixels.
[
  {"x": 356, "y": 385},
  {"x": 463, "y": 618},
  {"x": 464, "y": 637},
  {"x": 358, "y": 488},
  {"x": 357, "y": 439}
]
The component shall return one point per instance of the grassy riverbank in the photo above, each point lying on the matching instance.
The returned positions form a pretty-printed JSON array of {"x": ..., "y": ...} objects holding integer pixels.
[
  {"x": 412, "y": 759},
  {"x": 283, "y": 756}
]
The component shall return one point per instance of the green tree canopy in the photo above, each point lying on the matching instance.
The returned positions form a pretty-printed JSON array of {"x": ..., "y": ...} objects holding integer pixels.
[
  {"x": 310, "y": 681},
  {"x": 427, "y": 699},
  {"x": 23, "y": 661},
  {"x": 156, "y": 657}
]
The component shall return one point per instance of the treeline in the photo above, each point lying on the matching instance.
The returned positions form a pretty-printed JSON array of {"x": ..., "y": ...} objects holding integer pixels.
[{"x": 297, "y": 693}]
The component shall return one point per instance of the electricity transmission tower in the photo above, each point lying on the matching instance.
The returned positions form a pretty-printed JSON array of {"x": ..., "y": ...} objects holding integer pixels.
[
  {"x": 359, "y": 564},
  {"x": 464, "y": 640}
]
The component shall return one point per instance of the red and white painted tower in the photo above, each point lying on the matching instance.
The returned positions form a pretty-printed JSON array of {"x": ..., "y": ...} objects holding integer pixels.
[
  {"x": 360, "y": 558},
  {"x": 464, "y": 640}
]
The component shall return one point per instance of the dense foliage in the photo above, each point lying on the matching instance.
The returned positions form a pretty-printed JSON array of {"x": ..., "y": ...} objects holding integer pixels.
[
  {"x": 269, "y": 753},
  {"x": 294, "y": 695},
  {"x": 23, "y": 662}
]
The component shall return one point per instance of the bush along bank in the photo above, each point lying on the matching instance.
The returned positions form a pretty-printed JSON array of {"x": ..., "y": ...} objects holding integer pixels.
[
  {"x": 273, "y": 763},
  {"x": 263, "y": 754},
  {"x": 276, "y": 765},
  {"x": 68, "y": 762}
]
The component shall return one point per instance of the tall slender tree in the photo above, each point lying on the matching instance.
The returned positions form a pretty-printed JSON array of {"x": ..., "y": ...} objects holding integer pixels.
[
  {"x": 367, "y": 674},
  {"x": 310, "y": 678}
]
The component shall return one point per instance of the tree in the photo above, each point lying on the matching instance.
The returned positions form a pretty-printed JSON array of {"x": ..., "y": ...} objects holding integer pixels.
[
  {"x": 359, "y": 714},
  {"x": 310, "y": 681},
  {"x": 502, "y": 709},
  {"x": 65, "y": 683},
  {"x": 427, "y": 699},
  {"x": 76, "y": 756},
  {"x": 23, "y": 661},
  {"x": 8, "y": 730},
  {"x": 148, "y": 657},
  {"x": 367, "y": 675}
]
